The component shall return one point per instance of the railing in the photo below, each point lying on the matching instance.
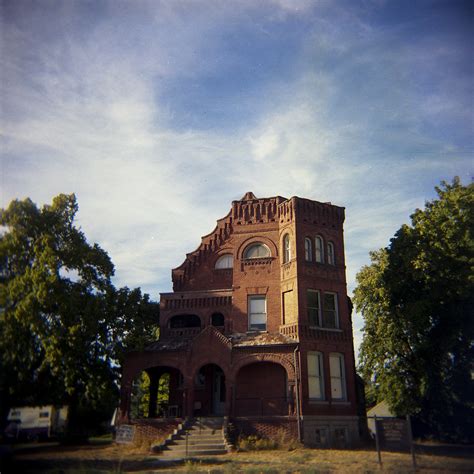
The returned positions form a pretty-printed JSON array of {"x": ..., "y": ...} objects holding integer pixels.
[
  {"x": 186, "y": 333},
  {"x": 261, "y": 406},
  {"x": 297, "y": 331}
]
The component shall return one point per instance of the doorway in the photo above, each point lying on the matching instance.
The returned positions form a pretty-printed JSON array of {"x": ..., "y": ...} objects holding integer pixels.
[
  {"x": 218, "y": 392},
  {"x": 210, "y": 391}
]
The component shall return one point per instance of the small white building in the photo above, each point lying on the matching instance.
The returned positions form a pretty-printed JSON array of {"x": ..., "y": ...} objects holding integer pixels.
[
  {"x": 36, "y": 422},
  {"x": 381, "y": 410}
]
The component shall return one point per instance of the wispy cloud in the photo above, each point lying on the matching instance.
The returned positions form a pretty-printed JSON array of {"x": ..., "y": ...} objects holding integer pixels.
[{"x": 157, "y": 115}]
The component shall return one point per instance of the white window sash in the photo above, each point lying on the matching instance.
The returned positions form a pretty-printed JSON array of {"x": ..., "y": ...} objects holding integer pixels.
[
  {"x": 337, "y": 375},
  {"x": 319, "y": 249},
  {"x": 315, "y": 376}
]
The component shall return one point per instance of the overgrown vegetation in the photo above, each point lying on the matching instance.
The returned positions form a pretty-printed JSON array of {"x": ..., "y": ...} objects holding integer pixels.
[
  {"x": 258, "y": 443},
  {"x": 417, "y": 300}
]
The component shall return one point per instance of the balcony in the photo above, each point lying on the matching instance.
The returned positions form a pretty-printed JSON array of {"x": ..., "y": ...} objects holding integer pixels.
[
  {"x": 301, "y": 331},
  {"x": 181, "y": 333}
]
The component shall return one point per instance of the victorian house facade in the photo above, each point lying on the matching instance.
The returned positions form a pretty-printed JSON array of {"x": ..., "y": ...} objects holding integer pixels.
[{"x": 258, "y": 326}]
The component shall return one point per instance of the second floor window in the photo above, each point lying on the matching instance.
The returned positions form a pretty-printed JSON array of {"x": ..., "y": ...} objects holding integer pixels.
[
  {"x": 257, "y": 309},
  {"x": 314, "y": 313},
  {"x": 325, "y": 317},
  {"x": 330, "y": 314}
]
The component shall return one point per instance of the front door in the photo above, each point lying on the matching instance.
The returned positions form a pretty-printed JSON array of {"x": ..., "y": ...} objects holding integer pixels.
[{"x": 218, "y": 393}]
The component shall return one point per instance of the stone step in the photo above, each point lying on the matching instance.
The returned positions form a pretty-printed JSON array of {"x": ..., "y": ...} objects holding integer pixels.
[
  {"x": 181, "y": 453},
  {"x": 208, "y": 440},
  {"x": 208, "y": 430},
  {"x": 205, "y": 437},
  {"x": 203, "y": 445},
  {"x": 203, "y": 433}
]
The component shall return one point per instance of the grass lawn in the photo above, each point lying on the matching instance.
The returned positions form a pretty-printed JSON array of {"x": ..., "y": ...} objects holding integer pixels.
[{"x": 111, "y": 458}]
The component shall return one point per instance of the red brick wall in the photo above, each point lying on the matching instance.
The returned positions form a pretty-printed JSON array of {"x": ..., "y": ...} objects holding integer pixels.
[
  {"x": 266, "y": 221},
  {"x": 154, "y": 429},
  {"x": 271, "y": 428}
]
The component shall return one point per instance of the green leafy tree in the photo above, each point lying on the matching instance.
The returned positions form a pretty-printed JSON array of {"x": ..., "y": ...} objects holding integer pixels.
[
  {"x": 417, "y": 300},
  {"x": 63, "y": 326}
]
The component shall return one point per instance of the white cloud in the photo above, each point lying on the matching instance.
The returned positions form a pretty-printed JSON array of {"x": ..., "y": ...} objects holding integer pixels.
[{"x": 92, "y": 119}]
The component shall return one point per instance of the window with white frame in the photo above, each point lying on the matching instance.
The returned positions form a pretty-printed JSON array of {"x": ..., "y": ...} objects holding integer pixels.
[
  {"x": 330, "y": 312},
  {"x": 315, "y": 376},
  {"x": 225, "y": 261},
  {"x": 257, "y": 250},
  {"x": 314, "y": 307},
  {"x": 286, "y": 249},
  {"x": 331, "y": 259},
  {"x": 257, "y": 309},
  {"x": 319, "y": 249},
  {"x": 337, "y": 373},
  {"x": 308, "y": 250}
]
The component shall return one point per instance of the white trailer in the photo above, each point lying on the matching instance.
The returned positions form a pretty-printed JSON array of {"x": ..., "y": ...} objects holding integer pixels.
[{"x": 36, "y": 422}]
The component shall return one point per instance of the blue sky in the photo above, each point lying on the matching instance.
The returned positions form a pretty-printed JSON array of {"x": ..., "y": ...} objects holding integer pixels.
[{"x": 158, "y": 114}]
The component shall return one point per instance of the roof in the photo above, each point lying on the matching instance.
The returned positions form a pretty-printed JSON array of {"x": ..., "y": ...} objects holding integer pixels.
[
  {"x": 259, "y": 339},
  {"x": 381, "y": 409},
  {"x": 237, "y": 340}
]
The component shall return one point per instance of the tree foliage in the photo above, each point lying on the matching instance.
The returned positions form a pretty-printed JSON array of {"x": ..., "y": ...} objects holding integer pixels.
[
  {"x": 417, "y": 300},
  {"x": 64, "y": 327}
]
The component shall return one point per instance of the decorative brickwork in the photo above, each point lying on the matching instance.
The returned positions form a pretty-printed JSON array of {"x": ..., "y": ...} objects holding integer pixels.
[
  {"x": 154, "y": 429},
  {"x": 258, "y": 327},
  {"x": 278, "y": 428}
]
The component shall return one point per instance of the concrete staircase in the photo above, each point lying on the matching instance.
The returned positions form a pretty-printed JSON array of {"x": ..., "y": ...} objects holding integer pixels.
[{"x": 199, "y": 437}]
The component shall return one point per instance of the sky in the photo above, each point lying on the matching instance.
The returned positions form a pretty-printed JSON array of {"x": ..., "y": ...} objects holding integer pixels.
[{"x": 157, "y": 114}]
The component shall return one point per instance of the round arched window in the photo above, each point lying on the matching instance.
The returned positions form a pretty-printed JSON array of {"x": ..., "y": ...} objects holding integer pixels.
[
  {"x": 225, "y": 261},
  {"x": 257, "y": 250},
  {"x": 217, "y": 319},
  {"x": 286, "y": 249}
]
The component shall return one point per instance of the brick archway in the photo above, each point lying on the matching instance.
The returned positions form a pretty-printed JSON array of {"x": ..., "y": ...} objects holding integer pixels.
[
  {"x": 266, "y": 357},
  {"x": 262, "y": 389},
  {"x": 138, "y": 362}
]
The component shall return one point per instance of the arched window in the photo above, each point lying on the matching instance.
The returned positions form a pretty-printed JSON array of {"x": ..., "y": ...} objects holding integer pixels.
[
  {"x": 225, "y": 261},
  {"x": 319, "y": 249},
  {"x": 217, "y": 319},
  {"x": 331, "y": 259},
  {"x": 308, "y": 250},
  {"x": 185, "y": 321},
  {"x": 257, "y": 250},
  {"x": 286, "y": 249}
]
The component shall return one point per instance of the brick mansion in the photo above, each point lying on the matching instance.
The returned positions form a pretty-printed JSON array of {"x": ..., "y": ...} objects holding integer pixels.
[{"x": 258, "y": 327}]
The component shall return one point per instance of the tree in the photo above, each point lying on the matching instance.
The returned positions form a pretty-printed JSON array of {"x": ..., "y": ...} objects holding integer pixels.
[
  {"x": 417, "y": 300},
  {"x": 63, "y": 326}
]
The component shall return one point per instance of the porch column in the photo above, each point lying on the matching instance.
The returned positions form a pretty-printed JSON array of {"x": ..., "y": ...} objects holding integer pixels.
[
  {"x": 154, "y": 379},
  {"x": 229, "y": 394},
  {"x": 125, "y": 401},
  {"x": 188, "y": 402}
]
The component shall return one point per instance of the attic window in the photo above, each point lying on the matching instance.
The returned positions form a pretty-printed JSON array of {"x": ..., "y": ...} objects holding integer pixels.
[
  {"x": 257, "y": 250},
  {"x": 225, "y": 261}
]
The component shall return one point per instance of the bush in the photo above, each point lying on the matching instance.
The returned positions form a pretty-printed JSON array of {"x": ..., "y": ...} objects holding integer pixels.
[{"x": 257, "y": 443}]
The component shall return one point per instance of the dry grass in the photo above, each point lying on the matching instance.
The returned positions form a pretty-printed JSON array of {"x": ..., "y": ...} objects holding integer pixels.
[{"x": 120, "y": 458}]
